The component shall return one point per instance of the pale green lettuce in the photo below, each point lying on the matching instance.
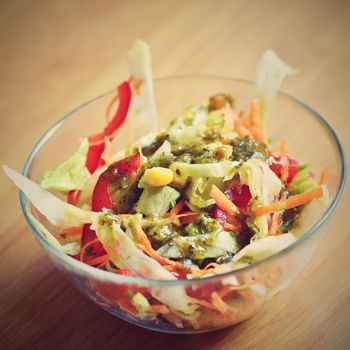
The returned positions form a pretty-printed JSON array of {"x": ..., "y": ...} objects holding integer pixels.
[
  {"x": 154, "y": 201},
  {"x": 71, "y": 174}
]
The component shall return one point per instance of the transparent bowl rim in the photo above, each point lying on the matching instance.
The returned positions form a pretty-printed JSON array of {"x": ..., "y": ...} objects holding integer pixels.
[{"x": 112, "y": 277}]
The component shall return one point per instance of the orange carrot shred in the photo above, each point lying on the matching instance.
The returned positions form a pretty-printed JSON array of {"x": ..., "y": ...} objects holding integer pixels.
[
  {"x": 255, "y": 121},
  {"x": 74, "y": 231},
  {"x": 221, "y": 306},
  {"x": 98, "y": 260},
  {"x": 227, "y": 289},
  {"x": 178, "y": 207},
  {"x": 223, "y": 202},
  {"x": 239, "y": 127},
  {"x": 160, "y": 309},
  {"x": 291, "y": 202},
  {"x": 324, "y": 175}
]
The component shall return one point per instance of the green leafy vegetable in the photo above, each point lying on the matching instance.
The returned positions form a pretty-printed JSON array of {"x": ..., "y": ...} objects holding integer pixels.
[
  {"x": 154, "y": 201},
  {"x": 71, "y": 174}
]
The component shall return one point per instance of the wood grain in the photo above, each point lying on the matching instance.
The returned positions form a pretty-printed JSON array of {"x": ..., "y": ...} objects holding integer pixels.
[{"x": 57, "y": 54}]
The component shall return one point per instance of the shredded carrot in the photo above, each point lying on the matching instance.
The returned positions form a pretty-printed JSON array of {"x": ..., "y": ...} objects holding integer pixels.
[
  {"x": 109, "y": 107},
  {"x": 173, "y": 212},
  {"x": 291, "y": 202},
  {"x": 221, "y": 306},
  {"x": 187, "y": 220},
  {"x": 200, "y": 273},
  {"x": 87, "y": 245},
  {"x": 204, "y": 303},
  {"x": 255, "y": 121},
  {"x": 160, "y": 309},
  {"x": 227, "y": 289},
  {"x": 284, "y": 147},
  {"x": 185, "y": 214},
  {"x": 98, "y": 260},
  {"x": 324, "y": 175},
  {"x": 239, "y": 127},
  {"x": 223, "y": 202},
  {"x": 74, "y": 231}
]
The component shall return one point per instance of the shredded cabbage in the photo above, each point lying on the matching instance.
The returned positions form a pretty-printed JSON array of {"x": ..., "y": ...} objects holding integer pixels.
[
  {"x": 143, "y": 106},
  {"x": 198, "y": 192},
  {"x": 58, "y": 212},
  {"x": 263, "y": 248},
  {"x": 71, "y": 174},
  {"x": 154, "y": 201},
  {"x": 271, "y": 71}
]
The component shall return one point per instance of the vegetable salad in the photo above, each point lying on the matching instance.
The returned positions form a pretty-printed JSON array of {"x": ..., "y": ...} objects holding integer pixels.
[{"x": 203, "y": 196}]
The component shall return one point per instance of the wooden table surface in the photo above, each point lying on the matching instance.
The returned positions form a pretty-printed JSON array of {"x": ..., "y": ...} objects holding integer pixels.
[{"x": 57, "y": 54}]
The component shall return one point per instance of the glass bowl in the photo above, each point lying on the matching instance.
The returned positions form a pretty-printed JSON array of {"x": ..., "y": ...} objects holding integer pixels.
[{"x": 310, "y": 139}]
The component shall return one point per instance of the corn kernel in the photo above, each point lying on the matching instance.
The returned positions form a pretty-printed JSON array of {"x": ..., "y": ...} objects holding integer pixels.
[{"x": 158, "y": 176}]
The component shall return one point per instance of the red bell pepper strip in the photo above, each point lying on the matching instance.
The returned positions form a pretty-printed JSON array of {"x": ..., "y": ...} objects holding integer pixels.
[
  {"x": 101, "y": 197},
  {"x": 126, "y": 167},
  {"x": 276, "y": 165},
  {"x": 97, "y": 141}
]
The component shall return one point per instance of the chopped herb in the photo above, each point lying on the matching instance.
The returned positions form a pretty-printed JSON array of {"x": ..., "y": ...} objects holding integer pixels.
[
  {"x": 172, "y": 204},
  {"x": 89, "y": 251},
  {"x": 232, "y": 234}
]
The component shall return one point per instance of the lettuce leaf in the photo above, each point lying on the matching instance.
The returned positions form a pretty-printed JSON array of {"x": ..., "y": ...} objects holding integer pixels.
[
  {"x": 143, "y": 106},
  {"x": 198, "y": 192},
  {"x": 270, "y": 73},
  {"x": 58, "y": 212},
  {"x": 263, "y": 248},
  {"x": 71, "y": 174},
  {"x": 154, "y": 201},
  {"x": 210, "y": 245}
]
